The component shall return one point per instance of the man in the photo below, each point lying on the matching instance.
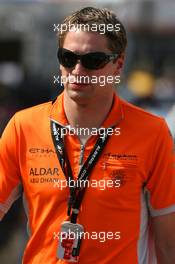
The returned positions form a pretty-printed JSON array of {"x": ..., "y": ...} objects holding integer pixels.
[{"x": 41, "y": 149}]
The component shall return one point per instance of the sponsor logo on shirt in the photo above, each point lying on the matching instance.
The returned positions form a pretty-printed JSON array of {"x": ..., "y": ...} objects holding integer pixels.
[
  {"x": 43, "y": 175},
  {"x": 41, "y": 152},
  {"x": 43, "y": 171},
  {"x": 119, "y": 176},
  {"x": 120, "y": 156}
]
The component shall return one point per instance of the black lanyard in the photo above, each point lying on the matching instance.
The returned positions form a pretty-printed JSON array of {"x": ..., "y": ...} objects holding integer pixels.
[{"x": 77, "y": 192}]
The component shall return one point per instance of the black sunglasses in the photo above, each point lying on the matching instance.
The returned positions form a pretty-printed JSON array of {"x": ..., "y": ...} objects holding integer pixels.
[{"x": 91, "y": 61}]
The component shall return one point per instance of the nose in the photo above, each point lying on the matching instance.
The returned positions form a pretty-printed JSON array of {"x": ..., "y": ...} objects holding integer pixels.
[{"x": 78, "y": 69}]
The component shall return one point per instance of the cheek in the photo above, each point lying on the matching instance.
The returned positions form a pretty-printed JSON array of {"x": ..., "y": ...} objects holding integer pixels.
[
  {"x": 65, "y": 75},
  {"x": 105, "y": 77},
  {"x": 108, "y": 70},
  {"x": 63, "y": 70},
  {"x": 98, "y": 73}
]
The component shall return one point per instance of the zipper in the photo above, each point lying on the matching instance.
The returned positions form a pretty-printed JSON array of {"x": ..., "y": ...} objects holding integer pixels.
[{"x": 82, "y": 147}]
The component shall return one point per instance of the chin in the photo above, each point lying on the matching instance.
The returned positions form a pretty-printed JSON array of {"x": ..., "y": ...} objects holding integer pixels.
[
  {"x": 80, "y": 93},
  {"x": 80, "y": 97}
]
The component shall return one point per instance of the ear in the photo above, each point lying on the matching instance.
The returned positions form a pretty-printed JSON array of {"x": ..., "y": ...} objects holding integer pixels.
[
  {"x": 60, "y": 68},
  {"x": 119, "y": 64}
]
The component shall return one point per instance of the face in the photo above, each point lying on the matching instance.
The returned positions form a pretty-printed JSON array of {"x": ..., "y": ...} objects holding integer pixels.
[{"x": 82, "y": 42}]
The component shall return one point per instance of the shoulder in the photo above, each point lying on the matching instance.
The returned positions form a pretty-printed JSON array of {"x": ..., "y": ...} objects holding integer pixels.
[
  {"x": 33, "y": 114},
  {"x": 140, "y": 119},
  {"x": 26, "y": 123}
]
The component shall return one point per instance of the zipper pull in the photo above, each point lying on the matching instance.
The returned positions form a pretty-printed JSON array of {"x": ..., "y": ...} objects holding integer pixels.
[
  {"x": 81, "y": 154},
  {"x": 104, "y": 165}
]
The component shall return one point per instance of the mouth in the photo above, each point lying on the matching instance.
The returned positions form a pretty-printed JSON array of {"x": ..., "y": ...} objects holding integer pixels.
[
  {"x": 78, "y": 80},
  {"x": 78, "y": 86},
  {"x": 78, "y": 83}
]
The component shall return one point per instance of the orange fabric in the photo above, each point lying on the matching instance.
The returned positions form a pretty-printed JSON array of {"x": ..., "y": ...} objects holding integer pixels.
[{"x": 141, "y": 156}]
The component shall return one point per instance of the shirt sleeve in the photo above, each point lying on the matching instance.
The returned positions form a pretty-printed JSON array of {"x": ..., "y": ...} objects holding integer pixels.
[
  {"x": 161, "y": 183},
  {"x": 10, "y": 180}
]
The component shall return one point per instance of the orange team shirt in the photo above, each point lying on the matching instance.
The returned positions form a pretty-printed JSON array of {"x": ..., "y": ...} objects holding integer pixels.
[{"x": 140, "y": 158}]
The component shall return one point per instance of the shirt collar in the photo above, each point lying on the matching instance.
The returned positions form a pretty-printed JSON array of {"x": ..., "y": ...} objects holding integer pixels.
[{"x": 114, "y": 117}]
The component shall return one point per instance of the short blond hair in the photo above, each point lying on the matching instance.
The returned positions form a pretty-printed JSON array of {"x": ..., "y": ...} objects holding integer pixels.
[{"x": 117, "y": 40}]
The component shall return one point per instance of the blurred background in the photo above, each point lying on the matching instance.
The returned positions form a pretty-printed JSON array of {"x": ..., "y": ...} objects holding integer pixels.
[{"x": 28, "y": 64}]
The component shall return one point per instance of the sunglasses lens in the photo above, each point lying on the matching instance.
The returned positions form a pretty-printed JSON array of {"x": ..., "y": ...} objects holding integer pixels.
[
  {"x": 67, "y": 58},
  {"x": 94, "y": 60}
]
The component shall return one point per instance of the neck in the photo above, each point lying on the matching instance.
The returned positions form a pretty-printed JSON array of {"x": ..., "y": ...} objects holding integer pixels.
[{"x": 88, "y": 115}]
